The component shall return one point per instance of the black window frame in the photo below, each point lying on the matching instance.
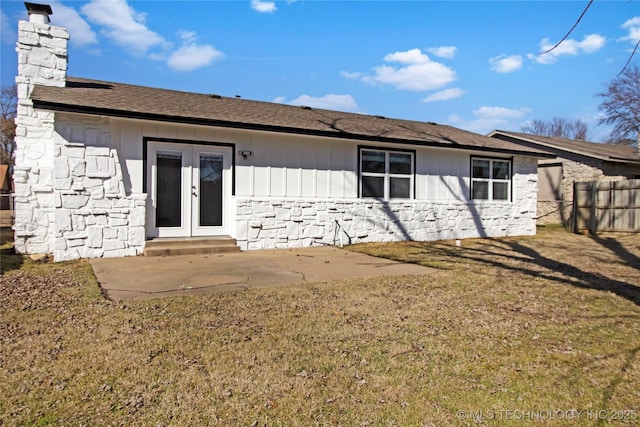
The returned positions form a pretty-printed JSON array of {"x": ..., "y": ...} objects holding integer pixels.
[
  {"x": 387, "y": 175},
  {"x": 491, "y": 180}
]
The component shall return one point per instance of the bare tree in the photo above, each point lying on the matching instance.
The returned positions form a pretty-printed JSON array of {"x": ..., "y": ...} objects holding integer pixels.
[
  {"x": 8, "y": 125},
  {"x": 557, "y": 128},
  {"x": 621, "y": 107}
]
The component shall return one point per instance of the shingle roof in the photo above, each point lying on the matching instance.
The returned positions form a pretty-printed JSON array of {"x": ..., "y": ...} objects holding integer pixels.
[
  {"x": 124, "y": 100},
  {"x": 608, "y": 152}
]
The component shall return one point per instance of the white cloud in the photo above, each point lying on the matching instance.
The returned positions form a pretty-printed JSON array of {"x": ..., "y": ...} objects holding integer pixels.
[
  {"x": 79, "y": 28},
  {"x": 413, "y": 56},
  {"x": 329, "y": 102},
  {"x": 127, "y": 28},
  {"x": 488, "y": 118},
  {"x": 9, "y": 34},
  {"x": 349, "y": 75},
  {"x": 448, "y": 52},
  {"x": 633, "y": 26},
  {"x": 505, "y": 64},
  {"x": 454, "y": 119},
  {"x": 500, "y": 112},
  {"x": 589, "y": 44},
  {"x": 592, "y": 43},
  {"x": 188, "y": 36},
  {"x": 444, "y": 95},
  {"x": 122, "y": 24},
  {"x": 263, "y": 6},
  {"x": 279, "y": 99},
  {"x": 191, "y": 56},
  {"x": 63, "y": 16},
  {"x": 419, "y": 73}
]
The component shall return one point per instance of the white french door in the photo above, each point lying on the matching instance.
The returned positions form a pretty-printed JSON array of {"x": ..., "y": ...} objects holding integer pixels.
[{"x": 190, "y": 188}]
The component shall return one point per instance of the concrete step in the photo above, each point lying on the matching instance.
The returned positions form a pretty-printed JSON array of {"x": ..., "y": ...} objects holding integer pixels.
[{"x": 190, "y": 246}]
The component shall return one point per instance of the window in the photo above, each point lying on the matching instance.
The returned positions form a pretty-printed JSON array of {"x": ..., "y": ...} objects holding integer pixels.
[
  {"x": 490, "y": 179},
  {"x": 386, "y": 174}
]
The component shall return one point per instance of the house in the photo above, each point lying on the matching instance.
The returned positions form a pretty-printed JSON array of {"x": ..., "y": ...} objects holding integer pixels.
[
  {"x": 6, "y": 207},
  {"x": 5, "y": 186},
  {"x": 576, "y": 161},
  {"x": 104, "y": 167}
]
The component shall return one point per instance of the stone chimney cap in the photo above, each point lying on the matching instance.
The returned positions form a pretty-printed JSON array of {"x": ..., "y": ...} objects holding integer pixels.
[{"x": 39, "y": 12}]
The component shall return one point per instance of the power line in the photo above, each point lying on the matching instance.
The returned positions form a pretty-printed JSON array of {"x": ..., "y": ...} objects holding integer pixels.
[
  {"x": 571, "y": 30},
  {"x": 631, "y": 56}
]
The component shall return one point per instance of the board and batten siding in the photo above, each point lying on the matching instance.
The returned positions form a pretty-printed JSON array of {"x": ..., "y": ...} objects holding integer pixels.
[
  {"x": 281, "y": 165},
  {"x": 288, "y": 166},
  {"x": 308, "y": 167}
]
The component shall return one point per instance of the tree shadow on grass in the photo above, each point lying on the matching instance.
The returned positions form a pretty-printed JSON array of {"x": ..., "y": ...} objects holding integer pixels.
[
  {"x": 520, "y": 257},
  {"x": 577, "y": 277},
  {"x": 517, "y": 256},
  {"x": 9, "y": 260},
  {"x": 619, "y": 250}
]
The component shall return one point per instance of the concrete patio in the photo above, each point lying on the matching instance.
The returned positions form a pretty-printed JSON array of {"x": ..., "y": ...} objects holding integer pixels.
[{"x": 132, "y": 278}]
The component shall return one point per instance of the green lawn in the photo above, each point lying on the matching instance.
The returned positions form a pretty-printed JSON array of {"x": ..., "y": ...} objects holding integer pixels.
[{"x": 523, "y": 329}]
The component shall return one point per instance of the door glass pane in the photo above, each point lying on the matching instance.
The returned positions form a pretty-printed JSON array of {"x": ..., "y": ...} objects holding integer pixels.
[
  {"x": 373, "y": 161},
  {"x": 169, "y": 190},
  {"x": 400, "y": 188},
  {"x": 399, "y": 163},
  {"x": 210, "y": 197},
  {"x": 372, "y": 186}
]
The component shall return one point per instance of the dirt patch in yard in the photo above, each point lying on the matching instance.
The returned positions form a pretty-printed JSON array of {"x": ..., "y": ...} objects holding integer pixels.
[{"x": 538, "y": 330}]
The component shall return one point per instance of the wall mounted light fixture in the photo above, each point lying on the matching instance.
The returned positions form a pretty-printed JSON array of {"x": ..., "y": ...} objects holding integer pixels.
[{"x": 245, "y": 153}]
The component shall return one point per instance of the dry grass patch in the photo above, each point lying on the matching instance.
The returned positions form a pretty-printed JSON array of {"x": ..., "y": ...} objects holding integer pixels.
[{"x": 510, "y": 324}]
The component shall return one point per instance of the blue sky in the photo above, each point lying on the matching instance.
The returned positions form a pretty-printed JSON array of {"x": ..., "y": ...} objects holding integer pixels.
[{"x": 470, "y": 64}]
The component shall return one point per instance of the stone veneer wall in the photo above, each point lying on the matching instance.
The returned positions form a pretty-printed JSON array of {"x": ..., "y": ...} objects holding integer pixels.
[
  {"x": 294, "y": 222},
  {"x": 80, "y": 210},
  {"x": 94, "y": 217},
  {"x": 554, "y": 212},
  {"x": 69, "y": 193}
]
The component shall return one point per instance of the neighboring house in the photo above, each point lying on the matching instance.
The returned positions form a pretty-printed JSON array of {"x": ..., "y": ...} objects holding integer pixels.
[
  {"x": 6, "y": 188},
  {"x": 6, "y": 185},
  {"x": 577, "y": 161},
  {"x": 102, "y": 167}
]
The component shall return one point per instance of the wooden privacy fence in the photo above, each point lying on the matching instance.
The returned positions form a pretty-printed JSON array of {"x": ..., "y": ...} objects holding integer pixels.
[{"x": 606, "y": 206}]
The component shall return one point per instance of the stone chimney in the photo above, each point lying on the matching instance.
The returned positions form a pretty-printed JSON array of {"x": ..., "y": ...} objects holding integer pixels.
[
  {"x": 42, "y": 60},
  {"x": 42, "y": 51}
]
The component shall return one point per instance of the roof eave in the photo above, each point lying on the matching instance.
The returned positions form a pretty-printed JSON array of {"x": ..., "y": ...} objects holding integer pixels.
[
  {"x": 623, "y": 160},
  {"x": 269, "y": 128},
  {"x": 566, "y": 150}
]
